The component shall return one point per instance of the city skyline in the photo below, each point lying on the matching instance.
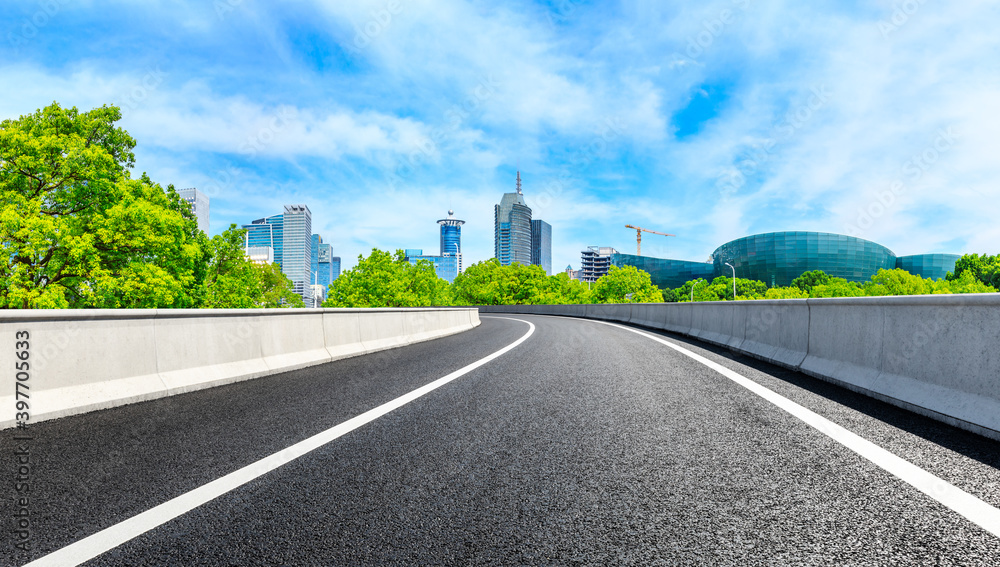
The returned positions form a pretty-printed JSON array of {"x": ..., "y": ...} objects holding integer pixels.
[{"x": 709, "y": 120}]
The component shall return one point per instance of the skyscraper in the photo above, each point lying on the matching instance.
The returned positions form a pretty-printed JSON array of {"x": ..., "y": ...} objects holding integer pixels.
[
  {"x": 322, "y": 268},
  {"x": 541, "y": 245},
  {"x": 301, "y": 255},
  {"x": 296, "y": 254},
  {"x": 451, "y": 247},
  {"x": 267, "y": 233},
  {"x": 334, "y": 268},
  {"x": 512, "y": 228},
  {"x": 199, "y": 205}
]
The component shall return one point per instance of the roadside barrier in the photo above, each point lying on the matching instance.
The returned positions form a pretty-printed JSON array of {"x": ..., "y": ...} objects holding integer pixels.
[
  {"x": 66, "y": 362},
  {"x": 936, "y": 355}
]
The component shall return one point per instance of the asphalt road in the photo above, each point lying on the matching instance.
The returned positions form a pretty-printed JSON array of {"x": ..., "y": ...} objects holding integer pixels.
[{"x": 585, "y": 445}]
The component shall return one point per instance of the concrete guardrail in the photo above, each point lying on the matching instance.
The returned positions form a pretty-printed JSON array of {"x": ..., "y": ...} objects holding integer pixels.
[
  {"x": 936, "y": 355},
  {"x": 84, "y": 360}
]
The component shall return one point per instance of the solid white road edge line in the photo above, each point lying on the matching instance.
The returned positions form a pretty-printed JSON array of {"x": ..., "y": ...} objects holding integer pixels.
[
  {"x": 113, "y": 536},
  {"x": 960, "y": 501}
]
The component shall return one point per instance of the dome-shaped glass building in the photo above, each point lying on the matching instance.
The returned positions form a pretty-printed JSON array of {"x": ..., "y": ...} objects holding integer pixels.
[
  {"x": 933, "y": 266},
  {"x": 777, "y": 258}
]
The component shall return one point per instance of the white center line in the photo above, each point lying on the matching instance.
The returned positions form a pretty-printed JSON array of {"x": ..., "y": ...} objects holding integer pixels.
[
  {"x": 113, "y": 536},
  {"x": 958, "y": 500}
]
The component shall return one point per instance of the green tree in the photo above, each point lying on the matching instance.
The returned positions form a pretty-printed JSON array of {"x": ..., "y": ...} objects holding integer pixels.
[
  {"x": 984, "y": 268},
  {"x": 278, "y": 290},
  {"x": 721, "y": 289},
  {"x": 702, "y": 291},
  {"x": 897, "y": 282},
  {"x": 791, "y": 292},
  {"x": 967, "y": 282},
  {"x": 560, "y": 290},
  {"x": 625, "y": 285},
  {"x": 386, "y": 280},
  {"x": 233, "y": 281},
  {"x": 77, "y": 231},
  {"x": 489, "y": 283},
  {"x": 837, "y": 287},
  {"x": 809, "y": 280}
]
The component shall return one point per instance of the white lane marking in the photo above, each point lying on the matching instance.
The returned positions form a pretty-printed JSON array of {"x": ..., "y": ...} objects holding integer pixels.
[
  {"x": 113, "y": 536},
  {"x": 960, "y": 501}
]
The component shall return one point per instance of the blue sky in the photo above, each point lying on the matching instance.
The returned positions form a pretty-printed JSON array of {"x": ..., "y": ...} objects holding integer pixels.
[{"x": 710, "y": 120}]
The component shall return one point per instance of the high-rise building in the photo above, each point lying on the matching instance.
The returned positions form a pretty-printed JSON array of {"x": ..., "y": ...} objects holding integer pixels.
[
  {"x": 595, "y": 262},
  {"x": 259, "y": 254},
  {"x": 267, "y": 233},
  {"x": 199, "y": 205},
  {"x": 296, "y": 254},
  {"x": 444, "y": 266},
  {"x": 322, "y": 268},
  {"x": 451, "y": 247},
  {"x": 334, "y": 268},
  {"x": 541, "y": 245},
  {"x": 448, "y": 264},
  {"x": 289, "y": 239},
  {"x": 512, "y": 228}
]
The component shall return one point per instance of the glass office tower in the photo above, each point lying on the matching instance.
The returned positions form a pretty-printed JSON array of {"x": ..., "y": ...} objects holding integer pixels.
[
  {"x": 267, "y": 232},
  {"x": 322, "y": 268},
  {"x": 334, "y": 268},
  {"x": 541, "y": 245},
  {"x": 296, "y": 255},
  {"x": 451, "y": 247},
  {"x": 512, "y": 228}
]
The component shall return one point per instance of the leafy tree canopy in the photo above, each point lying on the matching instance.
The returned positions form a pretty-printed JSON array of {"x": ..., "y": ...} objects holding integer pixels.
[
  {"x": 386, "y": 280},
  {"x": 233, "y": 281},
  {"x": 790, "y": 292},
  {"x": 809, "y": 280},
  {"x": 625, "y": 285},
  {"x": 560, "y": 290},
  {"x": 984, "y": 268},
  {"x": 489, "y": 283},
  {"x": 819, "y": 284},
  {"x": 837, "y": 287},
  {"x": 77, "y": 231}
]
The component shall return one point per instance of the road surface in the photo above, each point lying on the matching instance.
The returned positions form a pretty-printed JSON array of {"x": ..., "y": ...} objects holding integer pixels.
[{"x": 582, "y": 444}]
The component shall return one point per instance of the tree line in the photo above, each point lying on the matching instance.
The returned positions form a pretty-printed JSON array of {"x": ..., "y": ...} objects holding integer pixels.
[
  {"x": 973, "y": 274},
  {"x": 77, "y": 230},
  {"x": 384, "y": 279}
]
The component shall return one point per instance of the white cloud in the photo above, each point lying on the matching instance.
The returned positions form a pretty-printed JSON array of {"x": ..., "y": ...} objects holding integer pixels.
[{"x": 465, "y": 90}]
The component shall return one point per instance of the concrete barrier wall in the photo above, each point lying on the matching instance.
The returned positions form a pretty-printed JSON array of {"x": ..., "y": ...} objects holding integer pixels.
[
  {"x": 777, "y": 331},
  {"x": 85, "y": 360},
  {"x": 936, "y": 355}
]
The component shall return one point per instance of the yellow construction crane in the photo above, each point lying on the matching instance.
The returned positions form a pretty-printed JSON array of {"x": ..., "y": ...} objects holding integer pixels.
[{"x": 638, "y": 237}]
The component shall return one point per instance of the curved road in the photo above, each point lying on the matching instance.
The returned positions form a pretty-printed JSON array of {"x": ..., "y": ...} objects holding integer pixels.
[{"x": 585, "y": 444}]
